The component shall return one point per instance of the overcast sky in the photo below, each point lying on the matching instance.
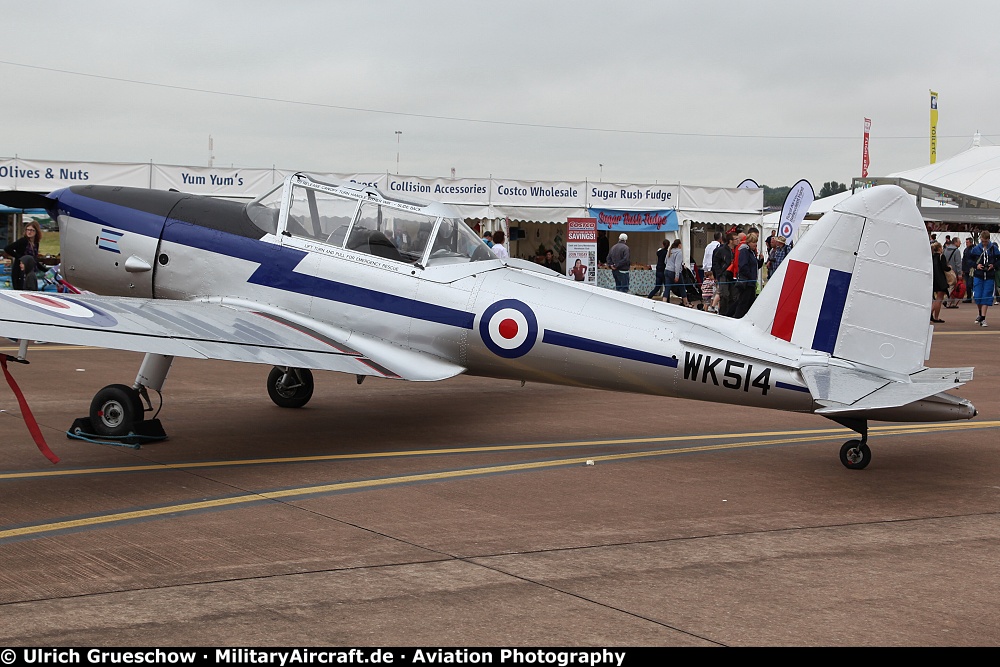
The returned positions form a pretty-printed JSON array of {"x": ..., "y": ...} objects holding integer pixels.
[{"x": 701, "y": 92}]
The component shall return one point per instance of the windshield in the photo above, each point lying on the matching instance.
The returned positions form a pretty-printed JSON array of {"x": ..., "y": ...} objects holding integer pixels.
[
  {"x": 455, "y": 242},
  {"x": 319, "y": 215},
  {"x": 365, "y": 221},
  {"x": 379, "y": 225},
  {"x": 264, "y": 210}
]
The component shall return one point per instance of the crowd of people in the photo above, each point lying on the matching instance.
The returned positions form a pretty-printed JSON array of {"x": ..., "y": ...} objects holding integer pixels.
[
  {"x": 730, "y": 271},
  {"x": 964, "y": 275},
  {"x": 726, "y": 283},
  {"x": 734, "y": 265}
]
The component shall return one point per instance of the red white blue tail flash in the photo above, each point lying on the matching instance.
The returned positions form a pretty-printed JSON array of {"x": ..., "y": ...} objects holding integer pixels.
[{"x": 811, "y": 305}]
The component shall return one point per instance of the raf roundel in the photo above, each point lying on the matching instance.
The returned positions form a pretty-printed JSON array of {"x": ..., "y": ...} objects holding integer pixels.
[
  {"x": 62, "y": 307},
  {"x": 509, "y": 328}
]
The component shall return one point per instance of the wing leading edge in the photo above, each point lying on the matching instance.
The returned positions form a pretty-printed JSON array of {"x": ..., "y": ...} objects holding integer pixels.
[{"x": 218, "y": 329}]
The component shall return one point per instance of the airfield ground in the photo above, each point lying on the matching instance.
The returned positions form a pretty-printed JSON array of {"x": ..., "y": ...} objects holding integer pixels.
[{"x": 464, "y": 513}]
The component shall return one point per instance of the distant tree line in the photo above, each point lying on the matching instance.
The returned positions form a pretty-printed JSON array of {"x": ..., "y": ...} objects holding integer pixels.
[{"x": 775, "y": 197}]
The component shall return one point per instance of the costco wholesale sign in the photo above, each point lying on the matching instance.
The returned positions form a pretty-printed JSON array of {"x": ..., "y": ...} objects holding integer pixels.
[{"x": 492, "y": 198}]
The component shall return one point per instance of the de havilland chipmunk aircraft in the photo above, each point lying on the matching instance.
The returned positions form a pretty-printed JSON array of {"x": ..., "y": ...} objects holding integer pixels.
[{"x": 343, "y": 277}]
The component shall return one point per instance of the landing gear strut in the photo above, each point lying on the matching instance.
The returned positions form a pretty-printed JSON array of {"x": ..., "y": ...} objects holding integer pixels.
[
  {"x": 855, "y": 454},
  {"x": 290, "y": 387},
  {"x": 118, "y": 411}
]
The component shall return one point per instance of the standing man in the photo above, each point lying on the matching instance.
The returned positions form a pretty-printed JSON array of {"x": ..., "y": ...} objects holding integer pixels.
[
  {"x": 987, "y": 256},
  {"x": 779, "y": 250},
  {"x": 968, "y": 266},
  {"x": 551, "y": 262},
  {"x": 769, "y": 243},
  {"x": 620, "y": 260},
  {"x": 749, "y": 265},
  {"x": 953, "y": 255},
  {"x": 721, "y": 260}
]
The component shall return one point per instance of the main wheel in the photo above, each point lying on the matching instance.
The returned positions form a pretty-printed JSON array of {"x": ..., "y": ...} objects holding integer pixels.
[
  {"x": 855, "y": 455},
  {"x": 115, "y": 410},
  {"x": 290, "y": 387}
]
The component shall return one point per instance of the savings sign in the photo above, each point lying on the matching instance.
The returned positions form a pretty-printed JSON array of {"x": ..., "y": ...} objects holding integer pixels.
[{"x": 581, "y": 249}]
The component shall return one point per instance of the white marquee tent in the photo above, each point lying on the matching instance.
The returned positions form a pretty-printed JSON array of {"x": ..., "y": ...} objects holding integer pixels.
[{"x": 974, "y": 174}]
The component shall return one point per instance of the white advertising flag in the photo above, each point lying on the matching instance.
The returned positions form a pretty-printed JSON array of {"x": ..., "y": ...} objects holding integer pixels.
[{"x": 793, "y": 211}]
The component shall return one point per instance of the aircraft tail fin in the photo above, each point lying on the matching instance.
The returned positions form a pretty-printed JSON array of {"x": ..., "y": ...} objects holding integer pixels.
[{"x": 858, "y": 285}]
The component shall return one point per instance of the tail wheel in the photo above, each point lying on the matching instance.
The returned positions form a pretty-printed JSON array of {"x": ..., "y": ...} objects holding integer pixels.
[
  {"x": 115, "y": 410},
  {"x": 855, "y": 455},
  {"x": 290, "y": 387}
]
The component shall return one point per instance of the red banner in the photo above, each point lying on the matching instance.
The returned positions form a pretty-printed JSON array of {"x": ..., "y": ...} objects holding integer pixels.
[{"x": 864, "y": 156}]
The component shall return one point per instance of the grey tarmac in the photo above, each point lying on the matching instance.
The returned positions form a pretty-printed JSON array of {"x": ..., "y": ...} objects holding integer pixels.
[{"x": 464, "y": 513}]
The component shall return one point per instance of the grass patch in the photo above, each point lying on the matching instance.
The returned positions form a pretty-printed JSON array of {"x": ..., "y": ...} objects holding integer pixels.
[{"x": 49, "y": 244}]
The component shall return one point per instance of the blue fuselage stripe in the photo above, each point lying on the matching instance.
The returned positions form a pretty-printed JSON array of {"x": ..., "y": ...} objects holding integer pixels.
[
  {"x": 607, "y": 349},
  {"x": 792, "y": 387},
  {"x": 104, "y": 213}
]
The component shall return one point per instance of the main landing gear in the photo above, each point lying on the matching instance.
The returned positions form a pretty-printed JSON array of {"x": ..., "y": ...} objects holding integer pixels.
[
  {"x": 290, "y": 387},
  {"x": 118, "y": 411},
  {"x": 855, "y": 454}
]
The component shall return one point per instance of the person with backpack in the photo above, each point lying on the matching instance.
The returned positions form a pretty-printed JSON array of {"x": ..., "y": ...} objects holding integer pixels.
[{"x": 987, "y": 256}]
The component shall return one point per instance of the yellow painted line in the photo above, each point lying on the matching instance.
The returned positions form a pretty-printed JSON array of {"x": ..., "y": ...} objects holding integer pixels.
[
  {"x": 287, "y": 494},
  {"x": 896, "y": 428}
]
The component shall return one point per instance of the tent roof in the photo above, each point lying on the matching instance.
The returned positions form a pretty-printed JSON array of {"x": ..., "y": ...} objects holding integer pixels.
[
  {"x": 963, "y": 179},
  {"x": 974, "y": 172}
]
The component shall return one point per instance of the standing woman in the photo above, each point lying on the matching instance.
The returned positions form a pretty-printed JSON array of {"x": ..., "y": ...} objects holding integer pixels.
[
  {"x": 26, "y": 245},
  {"x": 939, "y": 269},
  {"x": 672, "y": 273},
  {"x": 661, "y": 267}
]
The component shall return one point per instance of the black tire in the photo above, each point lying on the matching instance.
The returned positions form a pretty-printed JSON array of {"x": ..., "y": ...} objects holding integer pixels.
[
  {"x": 115, "y": 410},
  {"x": 293, "y": 393},
  {"x": 855, "y": 455}
]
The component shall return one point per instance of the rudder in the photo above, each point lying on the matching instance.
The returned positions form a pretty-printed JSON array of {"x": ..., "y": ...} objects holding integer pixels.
[{"x": 858, "y": 285}]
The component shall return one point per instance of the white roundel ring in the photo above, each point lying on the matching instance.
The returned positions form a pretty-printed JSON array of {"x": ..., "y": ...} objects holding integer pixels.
[
  {"x": 62, "y": 307},
  {"x": 786, "y": 230},
  {"x": 509, "y": 328}
]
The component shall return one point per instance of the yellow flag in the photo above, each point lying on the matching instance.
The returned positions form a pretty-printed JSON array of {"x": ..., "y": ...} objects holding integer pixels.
[{"x": 934, "y": 112}]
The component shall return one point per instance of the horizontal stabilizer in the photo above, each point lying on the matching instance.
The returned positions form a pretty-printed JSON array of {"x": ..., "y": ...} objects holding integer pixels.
[
  {"x": 26, "y": 200},
  {"x": 847, "y": 390}
]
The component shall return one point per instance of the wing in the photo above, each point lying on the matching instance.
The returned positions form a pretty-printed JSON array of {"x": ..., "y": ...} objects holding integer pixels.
[{"x": 218, "y": 329}]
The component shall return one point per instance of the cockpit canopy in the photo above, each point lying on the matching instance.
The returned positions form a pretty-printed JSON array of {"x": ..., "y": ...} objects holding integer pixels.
[{"x": 364, "y": 220}]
